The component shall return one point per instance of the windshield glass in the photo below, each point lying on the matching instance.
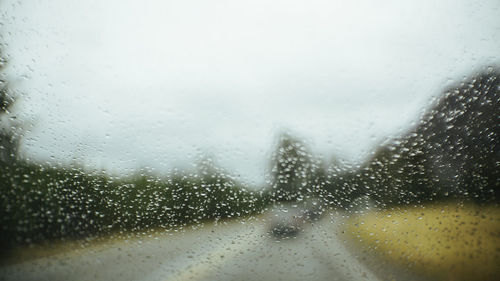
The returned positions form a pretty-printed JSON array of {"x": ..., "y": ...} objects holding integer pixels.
[{"x": 249, "y": 140}]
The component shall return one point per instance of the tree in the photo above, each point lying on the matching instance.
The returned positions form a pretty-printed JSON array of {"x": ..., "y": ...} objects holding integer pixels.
[
  {"x": 9, "y": 140},
  {"x": 453, "y": 152},
  {"x": 462, "y": 138},
  {"x": 292, "y": 169}
]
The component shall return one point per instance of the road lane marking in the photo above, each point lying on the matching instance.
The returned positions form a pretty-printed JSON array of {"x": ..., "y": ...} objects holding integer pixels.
[{"x": 207, "y": 263}]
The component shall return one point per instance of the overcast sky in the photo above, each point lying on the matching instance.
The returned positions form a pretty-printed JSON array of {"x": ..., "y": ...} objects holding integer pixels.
[{"x": 126, "y": 84}]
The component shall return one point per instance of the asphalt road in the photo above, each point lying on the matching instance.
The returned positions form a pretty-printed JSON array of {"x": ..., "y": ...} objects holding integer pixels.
[{"x": 239, "y": 250}]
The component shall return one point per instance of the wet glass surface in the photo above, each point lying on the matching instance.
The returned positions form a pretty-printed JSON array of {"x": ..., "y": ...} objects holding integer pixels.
[{"x": 263, "y": 140}]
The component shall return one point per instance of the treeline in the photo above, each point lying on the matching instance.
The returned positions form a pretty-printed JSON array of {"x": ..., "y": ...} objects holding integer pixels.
[
  {"x": 453, "y": 153},
  {"x": 40, "y": 203}
]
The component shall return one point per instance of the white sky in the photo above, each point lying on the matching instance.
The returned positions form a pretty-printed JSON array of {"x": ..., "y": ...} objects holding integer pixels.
[{"x": 128, "y": 84}]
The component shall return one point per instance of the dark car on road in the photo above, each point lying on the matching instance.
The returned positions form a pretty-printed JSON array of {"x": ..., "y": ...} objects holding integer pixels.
[
  {"x": 286, "y": 221},
  {"x": 289, "y": 219}
]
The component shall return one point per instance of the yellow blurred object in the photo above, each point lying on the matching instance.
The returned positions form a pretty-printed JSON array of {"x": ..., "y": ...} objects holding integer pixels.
[{"x": 450, "y": 241}]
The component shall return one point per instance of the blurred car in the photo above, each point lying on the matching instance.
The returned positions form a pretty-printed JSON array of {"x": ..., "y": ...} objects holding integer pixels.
[
  {"x": 289, "y": 219},
  {"x": 286, "y": 220}
]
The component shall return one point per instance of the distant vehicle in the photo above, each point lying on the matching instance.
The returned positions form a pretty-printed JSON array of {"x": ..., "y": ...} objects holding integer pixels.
[
  {"x": 289, "y": 219},
  {"x": 286, "y": 221}
]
